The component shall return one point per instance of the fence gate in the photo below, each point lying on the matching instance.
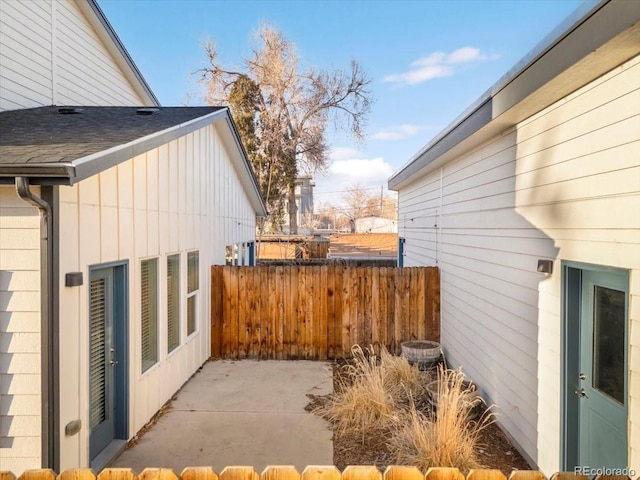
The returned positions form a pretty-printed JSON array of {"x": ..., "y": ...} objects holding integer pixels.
[{"x": 319, "y": 312}]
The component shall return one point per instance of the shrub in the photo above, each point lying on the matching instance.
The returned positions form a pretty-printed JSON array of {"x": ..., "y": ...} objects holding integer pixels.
[{"x": 447, "y": 440}]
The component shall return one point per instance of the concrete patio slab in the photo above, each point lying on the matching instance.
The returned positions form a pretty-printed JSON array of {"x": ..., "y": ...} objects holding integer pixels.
[{"x": 240, "y": 413}]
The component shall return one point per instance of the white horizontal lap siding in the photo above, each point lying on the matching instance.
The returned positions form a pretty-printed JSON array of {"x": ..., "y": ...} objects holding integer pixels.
[
  {"x": 564, "y": 185},
  {"x": 25, "y": 54},
  {"x": 19, "y": 333},
  {"x": 86, "y": 74},
  {"x": 50, "y": 54},
  {"x": 578, "y": 181}
]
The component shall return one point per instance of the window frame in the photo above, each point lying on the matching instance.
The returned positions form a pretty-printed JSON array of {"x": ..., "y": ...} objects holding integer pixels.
[
  {"x": 148, "y": 363},
  {"x": 178, "y": 292},
  {"x": 192, "y": 295}
]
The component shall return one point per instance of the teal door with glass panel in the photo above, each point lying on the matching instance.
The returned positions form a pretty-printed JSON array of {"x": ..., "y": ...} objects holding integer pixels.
[
  {"x": 108, "y": 390},
  {"x": 602, "y": 378}
]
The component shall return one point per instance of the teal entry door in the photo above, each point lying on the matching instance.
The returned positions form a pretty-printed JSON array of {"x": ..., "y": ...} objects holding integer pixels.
[
  {"x": 602, "y": 387},
  {"x": 107, "y": 357}
]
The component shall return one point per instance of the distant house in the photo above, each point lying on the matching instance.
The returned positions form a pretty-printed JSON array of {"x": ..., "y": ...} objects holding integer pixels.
[
  {"x": 530, "y": 205},
  {"x": 376, "y": 225},
  {"x": 112, "y": 209}
]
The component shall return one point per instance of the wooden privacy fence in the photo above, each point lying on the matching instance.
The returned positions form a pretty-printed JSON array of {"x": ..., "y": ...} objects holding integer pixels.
[
  {"x": 360, "y": 472},
  {"x": 320, "y": 312}
]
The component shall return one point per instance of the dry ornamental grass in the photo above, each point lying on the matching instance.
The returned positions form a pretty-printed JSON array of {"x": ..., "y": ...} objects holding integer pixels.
[{"x": 377, "y": 398}]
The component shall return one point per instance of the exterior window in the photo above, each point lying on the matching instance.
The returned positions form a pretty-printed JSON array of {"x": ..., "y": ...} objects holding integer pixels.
[
  {"x": 149, "y": 312},
  {"x": 193, "y": 286},
  {"x": 229, "y": 255},
  {"x": 173, "y": 302}
]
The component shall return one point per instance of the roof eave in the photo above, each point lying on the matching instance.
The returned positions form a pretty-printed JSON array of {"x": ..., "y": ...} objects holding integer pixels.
[{"x": 536, "y": 82}]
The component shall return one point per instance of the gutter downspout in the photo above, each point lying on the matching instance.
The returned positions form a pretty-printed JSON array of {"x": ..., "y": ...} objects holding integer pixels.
[{"x": 47, "y": 358}]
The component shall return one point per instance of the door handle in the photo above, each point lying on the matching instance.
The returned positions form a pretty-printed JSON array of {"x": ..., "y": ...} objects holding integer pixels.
[{"x": 582, "y": 393}]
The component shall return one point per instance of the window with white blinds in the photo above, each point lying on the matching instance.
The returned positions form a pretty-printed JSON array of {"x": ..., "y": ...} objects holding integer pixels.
[
  {"x": 193, "y": 287},
  {"x": 97, "y": 352},
  {"x": 149, "y": 312},
  {"x": 173, "y": 302}
]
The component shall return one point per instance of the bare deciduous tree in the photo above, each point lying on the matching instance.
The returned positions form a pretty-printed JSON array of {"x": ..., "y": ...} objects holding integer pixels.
[{"x": 289, "y": 107}]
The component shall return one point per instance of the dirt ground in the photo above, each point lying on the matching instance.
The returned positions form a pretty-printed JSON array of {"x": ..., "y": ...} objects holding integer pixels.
[
  {"x": 496, "y": 452},
  {"x": 367, "y": 244}
]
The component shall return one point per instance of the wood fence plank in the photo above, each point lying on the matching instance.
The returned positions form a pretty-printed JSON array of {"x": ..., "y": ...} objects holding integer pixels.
[
  {"x": 382, "y": 317},
  {"x": 375, "y": 309},
  {"x": 239, "y": 473},
  {"x": 77, "y": 474},
  {"x": 331, "y": 313},
  {"x": 391, "y": 310},
  {"x": 157, "y": 474},
  {"x": 313, "y": 472},
  {"x": 396, "y": 472},
  {"x": 315, "y": 314},
  {"x": 273, "y": 313},
  {"x": 357, "y": 325},
  {"x": 235, "y": 312},
  {"x": 527, "y": 475},
  {"x": 419, "y": 294},
  {"x": 406, "y": 305},
  {"x": 322, "y": 319},
  {"x": 216, "y": 271},
  {"x": 353, "y": 308},
  {"x": 117, "y": 474},
  {"x": 346, "y": 311},
  {"x": 442, "y": 473},
  {"x": 294, "y": 350},
  {"x": 361, "y": 472},
  {"x": 485, "y": 474},
  {"x": 200, "y": 473},
  {"x": 279, "y": 329},
  {"x": 366, "y": 330},
  {"x": 245, "y": 285},
  {"x": 398, "y": 313},
  {"x": 256, "y": 310},
  {"x": 225, "y": 345},
  {"x": 612, "y": 477},
  {"x": 302, "y": 311},
  {"x": 287, "y": 339},
  {"x": 4, "y": 475},
  {"x": 433, "y": 293},
  {"x": 265, "y": 294},
  {"x": 280, "y": 472},
  {"x": 338, "y": 307}
]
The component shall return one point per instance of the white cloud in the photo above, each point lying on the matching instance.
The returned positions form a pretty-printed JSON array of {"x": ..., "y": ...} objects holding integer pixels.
[
  {"x": 439, "y": 64},
  {"x": 399, "y": 132},
  {"x": 368, "y": 173}
]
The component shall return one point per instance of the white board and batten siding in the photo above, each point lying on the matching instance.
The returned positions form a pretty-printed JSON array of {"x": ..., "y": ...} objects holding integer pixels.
[
  {"x": 563, "y": 184},
  {"x": 51, "y": 55},
  {"x": 180, "y": 197},
  {"x": 19, "y": 332}
]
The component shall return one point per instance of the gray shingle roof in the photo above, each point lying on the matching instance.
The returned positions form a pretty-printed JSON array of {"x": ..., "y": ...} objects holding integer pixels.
[{"x": 45, "y": 136}]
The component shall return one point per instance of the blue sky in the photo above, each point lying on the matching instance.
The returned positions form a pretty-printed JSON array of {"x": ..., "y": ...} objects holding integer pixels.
[{"x": 428, "y": 60}]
